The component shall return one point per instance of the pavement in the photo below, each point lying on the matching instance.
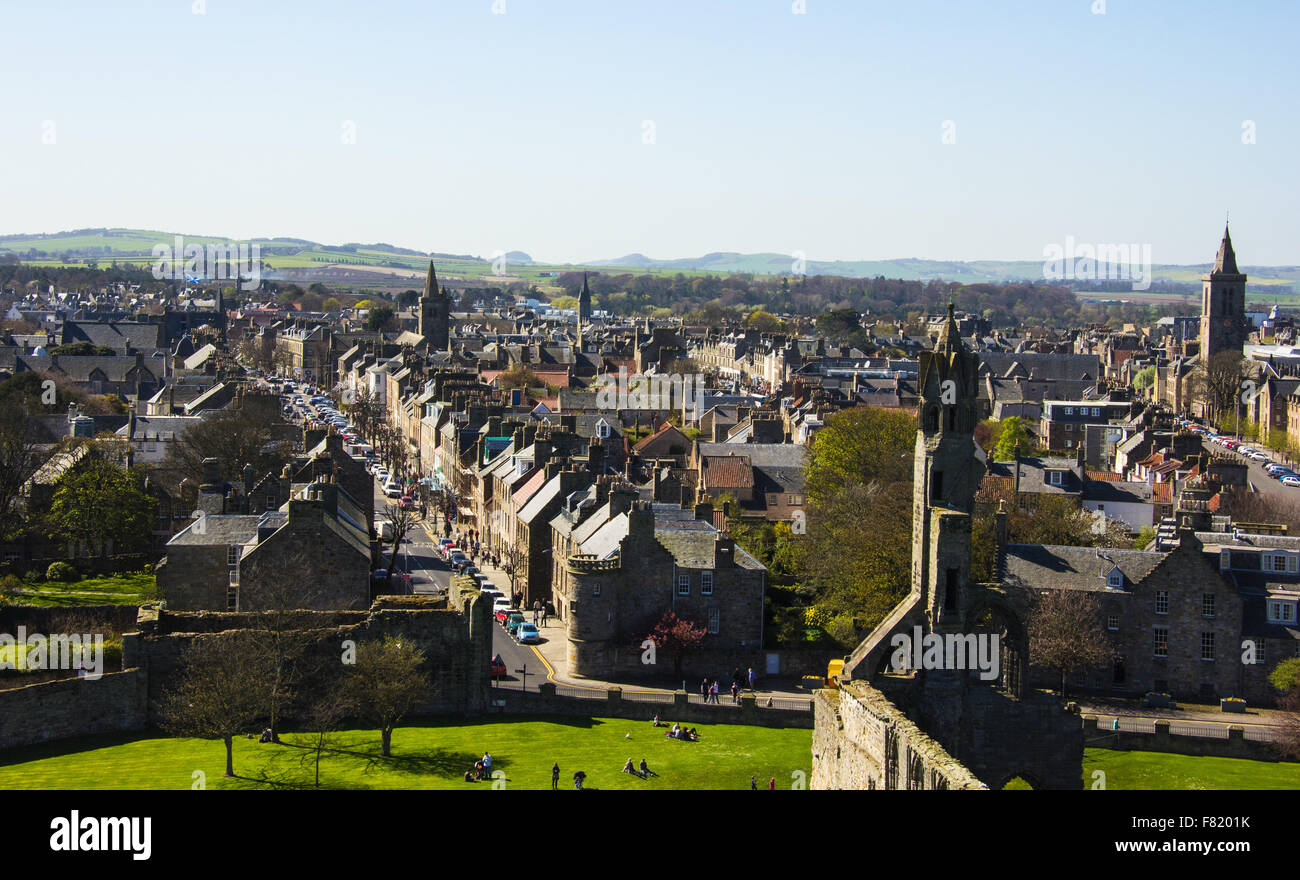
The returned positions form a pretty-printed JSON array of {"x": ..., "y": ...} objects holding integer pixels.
[{"x": 1109, "y": 708}]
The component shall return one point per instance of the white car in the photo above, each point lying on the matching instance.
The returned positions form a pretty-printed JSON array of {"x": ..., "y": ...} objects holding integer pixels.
[
  {"x": 501, "y": 604},
  {"x": 1291, "y": 481}
]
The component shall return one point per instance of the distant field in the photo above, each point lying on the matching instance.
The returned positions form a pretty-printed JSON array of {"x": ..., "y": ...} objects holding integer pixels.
[{"x": 434, "y": 755}]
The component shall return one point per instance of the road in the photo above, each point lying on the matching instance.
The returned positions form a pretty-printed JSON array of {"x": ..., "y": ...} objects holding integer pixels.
[{"x": 430, "y": 575}]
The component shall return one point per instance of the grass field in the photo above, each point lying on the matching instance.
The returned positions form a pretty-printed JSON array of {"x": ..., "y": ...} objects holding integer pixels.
[
  {"x": 434, "y": 755},
  {"x": 1158, "y": 771},
  {"x": 131, "y": 588}
]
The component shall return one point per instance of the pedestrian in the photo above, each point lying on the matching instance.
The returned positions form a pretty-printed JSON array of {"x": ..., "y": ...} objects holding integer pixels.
[
  {"x": 735, "y": 692},
  {"x": 771, "y": 784},
  {"x": 555, "y": 776},
  {"x": 753, "y": 783},
  {"x": 751, "y": 678},
  {"x": 704, "y": 690},
  {"x": 535, "y": 617}
]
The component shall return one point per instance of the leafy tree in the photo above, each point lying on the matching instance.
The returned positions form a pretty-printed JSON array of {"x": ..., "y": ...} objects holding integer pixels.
[
  {"x": 97, "y": 504},
  {"x": 386, "y": 683},
  {"x": 1013, "y": 436},
  {"x": 1144, "y": 378},
  {"x": 859, "y": 446},
  {"x": 676, "y": 636},
  {"x": 380, "y": 319},
  {"x": 519, "y": 376},
  {"x": 1286, "y": 675}
]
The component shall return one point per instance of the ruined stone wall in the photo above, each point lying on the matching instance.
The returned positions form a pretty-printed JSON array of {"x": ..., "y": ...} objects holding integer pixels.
[
  {"x": 456, "y": 642},
  {"x": 863, "y": 741},
  {"x": 73, "y": 707}
]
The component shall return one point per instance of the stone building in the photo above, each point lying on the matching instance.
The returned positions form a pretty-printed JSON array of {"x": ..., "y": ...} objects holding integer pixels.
[
  {"x": 313, "y": 552},
  {"x": 630, "y": 562}
]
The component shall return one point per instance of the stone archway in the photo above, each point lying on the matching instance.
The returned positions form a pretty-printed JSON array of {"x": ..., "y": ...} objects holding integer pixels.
[{"x": 992, "y": 613}]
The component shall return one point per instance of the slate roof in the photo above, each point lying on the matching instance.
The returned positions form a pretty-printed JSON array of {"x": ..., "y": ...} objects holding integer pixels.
[
  {"x": 1075, "y": 568},
  {"x": 760, "y": 454},
  {"x": 219, "y": 529}
]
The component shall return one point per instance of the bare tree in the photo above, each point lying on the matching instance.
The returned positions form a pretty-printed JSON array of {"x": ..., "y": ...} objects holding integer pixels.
[
  {"x": 403, "y": 522},
  {"x": 1217, "y": 384},
  {"x": 221, "y": 692},
  {"x": 1065, "y": 633},
  {"x": 386, "y": 683}
]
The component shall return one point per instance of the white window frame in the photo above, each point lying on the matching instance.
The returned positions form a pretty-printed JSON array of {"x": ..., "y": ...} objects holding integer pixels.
[
  {"x": 1158, "y": 643},
  {"x": 683, "y": 584},
  {"x": 706, "y": 583},
  {"x": 1055, "y": 478},
  {"x": 715, "y": 621},
  {"x": 1115, "y": 579},
  {"x": 1162, "y": 595},
  {"x": 1112, "y": 622},
  {"x": 1208, "y": 640}
]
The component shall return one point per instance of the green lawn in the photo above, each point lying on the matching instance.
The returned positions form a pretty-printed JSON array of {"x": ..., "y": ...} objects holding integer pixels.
[
  {"x": 433, "y": 755},
  {"x": 131, "y": 588},
  {"x": 1148, "y": 771}
]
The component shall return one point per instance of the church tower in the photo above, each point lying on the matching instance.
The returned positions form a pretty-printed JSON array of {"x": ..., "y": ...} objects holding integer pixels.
[
  {"x": 435, "y": 313},
  {"x": 1224, "y": 326},
  {"x": 949, "y": 465},
  {"x": 584, "y": 301}
]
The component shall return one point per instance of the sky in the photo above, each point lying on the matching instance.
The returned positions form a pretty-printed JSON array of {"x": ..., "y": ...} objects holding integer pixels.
[{"x": 578, "y": 130}]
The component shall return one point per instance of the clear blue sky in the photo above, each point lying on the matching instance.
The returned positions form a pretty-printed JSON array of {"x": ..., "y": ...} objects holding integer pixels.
[{"x": 820, "y": 132}]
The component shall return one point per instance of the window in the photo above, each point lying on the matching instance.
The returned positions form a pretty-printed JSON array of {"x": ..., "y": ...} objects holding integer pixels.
[
  {"x": 1279, "y": 562},
  {"x": 1261, "y": 648},
  {"x": 1207, "y": 646},
  {"x": 270, "y": 502},
  {"x": 1054, "y": 478},
  {"x": 1096, "y": 411},
  {"x": 1162, "y": 601},
  {"x": 232, "y": 554},
  {"x": 936, "y": 485},
  {"x": 773, "y": 500},
  {"x": 1207, "y": 604},
  {"x": 1115, "y": 579},
  {"x": 234, "y": 577},
  {"x": 595, "y": 589},
  {"x": 1112, "y": 622},
  {"x": 1225, "y": 560},
  {"x": 1069, "y": 410},
  {"x": 715, "y": 620},
  {"x": 683, "y": 584},
  {"x": 1069, "y": 427},
  {"x": 1161, "y": 642},
  {"x": 1280, "y": 612},
  {"x": 706, "y": 583}
]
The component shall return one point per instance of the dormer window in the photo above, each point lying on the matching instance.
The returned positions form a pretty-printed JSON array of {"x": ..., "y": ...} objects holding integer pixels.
[
  {"x": 1054, "y": 477},
  {"x": 602, "y": 429},
  {"x": 1115, "y": 580}
]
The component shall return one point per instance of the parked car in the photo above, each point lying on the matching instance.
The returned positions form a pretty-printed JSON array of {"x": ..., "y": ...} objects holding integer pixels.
[
  {"x": 392, "y": 491},
  {"x": 528, "y": 634},
  {"x": 497, "y": 667},
  {"x": 501, "y": 603},
  {"x": 1291, "y": 480},
  {"x": 514, "y": 620},
  {"x": 406, "y": 502}
]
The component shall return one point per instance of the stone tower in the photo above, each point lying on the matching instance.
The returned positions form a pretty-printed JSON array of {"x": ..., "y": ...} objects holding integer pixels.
[
  {"x": 435, "y": 313},
  {"x": 1224, "y": 326},
  {"x": 948, "y": 468}
]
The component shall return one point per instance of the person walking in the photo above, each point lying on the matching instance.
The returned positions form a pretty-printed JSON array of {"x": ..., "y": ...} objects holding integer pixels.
[
  {"x": 704, "y": 690},
  {"x": 751, "y": 678},
  {"x": 753, "y": 783},
  {"x": 555, "y": 776},
  {"x": 771, "y": 784}
]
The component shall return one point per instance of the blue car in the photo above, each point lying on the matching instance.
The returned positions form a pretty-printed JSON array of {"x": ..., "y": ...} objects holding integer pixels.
[{"x": 528, "y": 634}]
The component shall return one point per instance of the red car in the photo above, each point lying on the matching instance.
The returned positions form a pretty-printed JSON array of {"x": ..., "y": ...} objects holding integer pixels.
[
  {"x": 406, "y": 503},
  {"x": 498, "y": 667}
]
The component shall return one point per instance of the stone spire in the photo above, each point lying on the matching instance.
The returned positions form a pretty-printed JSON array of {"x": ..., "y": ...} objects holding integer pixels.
[
  {"x": 949, "y": 341},
  {"x": 431, "y": 281},
  {"x": 1225, "y": 262},
  {"x": 584, "y": 300}
]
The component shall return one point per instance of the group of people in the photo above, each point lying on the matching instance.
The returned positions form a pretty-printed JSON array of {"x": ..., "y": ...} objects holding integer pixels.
[
  {"x": 578, "y": 777},
  {"x": 771, "y": 783},
  {"x": 643, "y": 773},
  {"x": 482, "y": 769},
  {"x": 709, "y": 690}
]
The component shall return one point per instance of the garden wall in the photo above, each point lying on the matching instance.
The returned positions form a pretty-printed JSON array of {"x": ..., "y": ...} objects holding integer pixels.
[
  {"x": 1162, "y": 740},
  {"x": 548, "y": 702},
  {"x": 73, "y": 707}
]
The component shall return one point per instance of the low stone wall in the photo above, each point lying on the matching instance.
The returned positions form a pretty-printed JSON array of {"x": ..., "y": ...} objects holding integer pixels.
[
  {"x": 863, "y": 741},
  {"x": 44, "y": 619},
  {"x": 548, "y": 702},
  {"x": 73, "y": 707},
  {"x": 1162, "y": 740}
]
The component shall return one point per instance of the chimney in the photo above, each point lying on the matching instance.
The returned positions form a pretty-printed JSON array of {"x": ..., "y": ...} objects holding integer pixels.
[
  {"x": 1000, "y": 519},
  {"x": 724, "y": 551},
  {"x": 641, "y": 521},
  {"x": 621, "y": 499}
]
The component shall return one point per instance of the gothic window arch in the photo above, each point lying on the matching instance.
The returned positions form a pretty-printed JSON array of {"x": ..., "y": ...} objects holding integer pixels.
[{"x": 932, "y": 419}]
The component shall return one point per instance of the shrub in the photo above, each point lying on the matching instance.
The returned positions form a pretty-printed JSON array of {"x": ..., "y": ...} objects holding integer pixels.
[{"x": 61, "y": 571}]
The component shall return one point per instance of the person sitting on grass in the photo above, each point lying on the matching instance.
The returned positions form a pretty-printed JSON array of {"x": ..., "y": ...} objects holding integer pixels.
[
  {"x": 692, "y": 735},
  {"x": 659, "y": 723},
  {"x": 628, "y": 768},
  {"x": 675, "y": 732},
  {"x": 469, "y": 776},
  {"x": 645, "y": 770}
]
